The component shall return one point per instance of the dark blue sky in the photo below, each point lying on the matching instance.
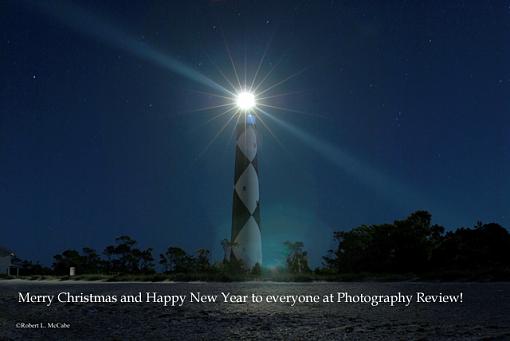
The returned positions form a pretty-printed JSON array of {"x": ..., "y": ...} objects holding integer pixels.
[{"x": 406, "y": 106}]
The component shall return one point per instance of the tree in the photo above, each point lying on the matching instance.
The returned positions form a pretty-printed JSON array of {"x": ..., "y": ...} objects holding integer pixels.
[
  {"x": 235, "y": 266},
  {"x": 404, "y": 246},
  {"x": 231, "y": 264},
  {"x": 228, "y": 246},
  {"x": 202, "y": 260},
  {"x": 92, "y": 263},
  {"x": 175, "y": 260},
  {"x": 68, "y": 258},
  {"x": 124, "y": 257},
  {"x": 29, "y": 268},
  {"x": 297, "y": 259},
  {"x": 484, "y": 247},
  {"x": 256, "y": 270},
  {"x": 226, "y": 249},
  {"x": 144, "y": 260}
]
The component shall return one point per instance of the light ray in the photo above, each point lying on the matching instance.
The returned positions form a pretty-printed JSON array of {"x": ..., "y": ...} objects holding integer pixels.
[
  {"x": 284, "y": 80},
  {"x": 231, "y": 60},
  {"x": 269, "y": 72},
  {"x": 212, "y": 107},
  {"x": 93, "y": 26},
  {"x": 369, "y": 176},
  {"x": 233, "y": 87},
  {"x": 289, "y": 110},
  {"x": 245, "y": 63},
  {"x": 211, "y": 94},
  {"x": 216, "y": 136},
  {"x": 271, "y": 132},
  {"x": 261, "y": 62},
  {"x": 233, "y": 130},
  {"x": 281, "y": 95},
  {"x": 211, "y": 119},
  {"x": 223, "y": 113}
]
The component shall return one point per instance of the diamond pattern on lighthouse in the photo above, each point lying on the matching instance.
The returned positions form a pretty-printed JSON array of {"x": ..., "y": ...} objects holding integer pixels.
[
  {"x": 248, "y": 241},
  {"x": 247, "y": 188},
  {"x": 241, "y": 164},
  {"x": 245, "y": 209},
  {"x": 240, "y": 215},
  {"x": 247, "y": 142}
]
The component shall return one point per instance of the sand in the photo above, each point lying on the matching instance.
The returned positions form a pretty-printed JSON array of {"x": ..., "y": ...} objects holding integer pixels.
[{"x": 483, "y": 313}]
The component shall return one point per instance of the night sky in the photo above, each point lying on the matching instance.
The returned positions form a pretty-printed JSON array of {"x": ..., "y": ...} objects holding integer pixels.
[{"x": 393, "y": 106}]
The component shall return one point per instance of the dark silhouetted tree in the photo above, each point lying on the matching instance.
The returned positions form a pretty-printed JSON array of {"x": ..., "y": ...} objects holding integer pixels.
[
  {"x": 202, "y": 263},
  {"x": 297, "y": 259},
  {"x": 124, "y": 257},
  {"x": 92, "y": 263},
  {"x": 256, "y": 270},
  {"x": 404, "y": 246},
  {"x": 68, "y": 258},
  {"x": 176, "y": 260},
  {"x": 29, "y": 268},
  {"x": 484, "y": 247}
]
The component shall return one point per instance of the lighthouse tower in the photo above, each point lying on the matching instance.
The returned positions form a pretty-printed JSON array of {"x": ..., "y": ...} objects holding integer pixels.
[{"x": 246, "y": 237}]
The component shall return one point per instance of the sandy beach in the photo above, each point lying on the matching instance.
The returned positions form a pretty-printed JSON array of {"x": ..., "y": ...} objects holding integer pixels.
[{"x": 483, "y": 312}]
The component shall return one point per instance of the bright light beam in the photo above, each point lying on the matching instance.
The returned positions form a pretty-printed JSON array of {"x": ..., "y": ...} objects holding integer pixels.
[
  {"x": 216, "y": 136},
  {"x": 370, "y": 177},
  {"x": 93, "y": 26}
]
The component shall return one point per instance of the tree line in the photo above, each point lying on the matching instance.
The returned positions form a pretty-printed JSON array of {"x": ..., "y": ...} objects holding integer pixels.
[
  {"x": 125, "y": 257},
  {"x": 412, "y": 245}
]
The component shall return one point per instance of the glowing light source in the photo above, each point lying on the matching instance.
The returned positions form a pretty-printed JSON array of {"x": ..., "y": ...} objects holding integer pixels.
[{"x": 245, "y": 101}]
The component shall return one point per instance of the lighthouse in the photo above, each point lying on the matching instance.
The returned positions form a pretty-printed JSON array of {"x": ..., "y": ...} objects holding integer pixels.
[{"x": 246, "y": 238}]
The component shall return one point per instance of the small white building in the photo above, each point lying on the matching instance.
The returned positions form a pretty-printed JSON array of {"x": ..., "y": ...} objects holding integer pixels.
[{"x": 7, "y": 267}]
